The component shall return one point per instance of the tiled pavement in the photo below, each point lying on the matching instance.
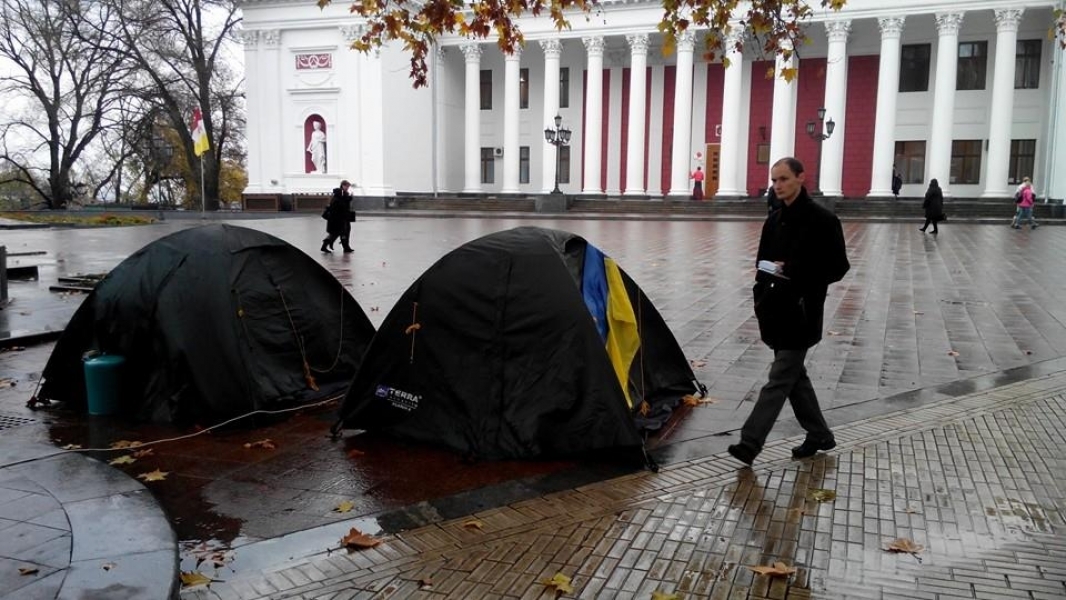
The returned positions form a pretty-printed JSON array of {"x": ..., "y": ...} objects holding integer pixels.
[
  {"x": 975, "y": 480},
  {"x": 917, "y": 320}
]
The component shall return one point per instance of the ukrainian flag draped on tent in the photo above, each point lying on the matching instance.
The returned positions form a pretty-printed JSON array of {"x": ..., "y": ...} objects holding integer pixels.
[{"x": 527, "y": 342}]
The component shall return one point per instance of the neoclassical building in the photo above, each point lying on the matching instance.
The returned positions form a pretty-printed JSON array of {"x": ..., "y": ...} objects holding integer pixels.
[{"x": 969, "y": 92}]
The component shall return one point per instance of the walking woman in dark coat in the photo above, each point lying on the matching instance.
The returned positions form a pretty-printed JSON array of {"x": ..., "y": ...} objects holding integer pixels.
[
  {"x": 339, "y": 221},
  {"x": 933, "y": 205}
]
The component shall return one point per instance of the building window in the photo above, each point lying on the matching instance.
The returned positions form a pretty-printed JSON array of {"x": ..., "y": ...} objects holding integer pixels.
[
  {"x": 488, "y": 165},
  {"x": 1022, "y": 159},
  {"x": 1027, "y": 65},
  {"x": 965, "y": 161},
  {"x": 523, "y": 164},
  {"x": 914, "y": 68},
  {"x": 910, "y": 161},
  {"x": 564, "y": 164},
  {"x": 973, "y": 59},
  {"x": 564, "y": 87},
  {"x": 523, "y": 88},
  {"x": 486, "y": 90}
]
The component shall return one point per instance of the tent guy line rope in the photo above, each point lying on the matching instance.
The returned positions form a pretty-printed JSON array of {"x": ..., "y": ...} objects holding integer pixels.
[{"x": 178, "y": 438}]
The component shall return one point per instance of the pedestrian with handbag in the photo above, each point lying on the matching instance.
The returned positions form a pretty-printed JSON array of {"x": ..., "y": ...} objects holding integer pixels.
[
  {"x": 339, "y": 217},
  {"x": 801, "y": 252},
  {"x": 933, "y": 206}
]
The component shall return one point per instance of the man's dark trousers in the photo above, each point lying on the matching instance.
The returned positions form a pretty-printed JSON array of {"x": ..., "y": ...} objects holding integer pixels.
[{"x": 788, "y": 379}]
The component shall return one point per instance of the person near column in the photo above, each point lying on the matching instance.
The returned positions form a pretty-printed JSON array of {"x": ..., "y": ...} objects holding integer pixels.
[
  {"x": 317, "y": 147},
  {"x": 933, "y": 205},
  {"x": 697, "y": 188},
  {"x": 897, "y": 183},
  {"x": 801, "y": 251},
  {"x": 339, "y": 221},
  {"x": 1025, "y": 197}
]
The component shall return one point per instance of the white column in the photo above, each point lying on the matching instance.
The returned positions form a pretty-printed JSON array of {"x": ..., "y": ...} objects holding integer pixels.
[
  {"x": 372, "y": 117},
  {"x": 1053, "y": 177},
  {"x": 941, "y": 125},
  {"x": 439, "y": 82},
  {"x": 552, "y": 49},
  {"x": 836, "y": 86},
  {"x": 511, "y": 65},
  {"x": 729, "y": 177},
  {"x": 783, "y": 121},
  {"x": 253, "y": 119},
  {"x": 1002, "y": 111},
  {"x": 885, "y": 121},
  {"x": 682, "y": 147},
  {"x": 638, "y": 74},
  {"x": 472, "y": 129},
  {"x": 593, "y": 114},
  {"x": 272, "y": 141}
]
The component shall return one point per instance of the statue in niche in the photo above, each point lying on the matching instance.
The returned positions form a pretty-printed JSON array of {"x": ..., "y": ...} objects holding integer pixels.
[{"x": 316, "y": 147}]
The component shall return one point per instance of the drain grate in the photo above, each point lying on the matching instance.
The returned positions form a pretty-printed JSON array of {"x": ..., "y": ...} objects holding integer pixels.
[{"x": 9, "y": 421}]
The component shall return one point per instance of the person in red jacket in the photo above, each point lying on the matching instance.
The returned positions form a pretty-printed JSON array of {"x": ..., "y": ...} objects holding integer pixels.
[
  {"x": 801, "y": 252},
  {"x": 697, "y": 188}
]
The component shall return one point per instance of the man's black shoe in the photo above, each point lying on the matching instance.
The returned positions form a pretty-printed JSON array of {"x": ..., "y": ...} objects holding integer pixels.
[
  {"x": 742, "y": 453},
  {"x": 324, "y": 248},
  {"x": 349, "y": 249},
  {"x": 811, "y": 447}
]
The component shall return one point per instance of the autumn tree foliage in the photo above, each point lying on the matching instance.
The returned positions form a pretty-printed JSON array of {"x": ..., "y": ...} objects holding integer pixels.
[{"x": 775, "y": 27}]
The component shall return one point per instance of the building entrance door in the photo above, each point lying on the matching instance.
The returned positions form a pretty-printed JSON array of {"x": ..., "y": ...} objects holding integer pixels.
[{"x": 710, "y": 186}]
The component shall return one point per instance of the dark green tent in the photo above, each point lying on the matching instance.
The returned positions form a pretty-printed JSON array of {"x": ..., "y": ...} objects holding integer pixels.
[
  {"x": 214, "y": 322},
  {"x": 501, "y": 350}
]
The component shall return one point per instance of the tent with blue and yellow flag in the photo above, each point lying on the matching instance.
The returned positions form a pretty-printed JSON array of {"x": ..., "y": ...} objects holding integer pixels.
[{"x": 527, "y": 342}]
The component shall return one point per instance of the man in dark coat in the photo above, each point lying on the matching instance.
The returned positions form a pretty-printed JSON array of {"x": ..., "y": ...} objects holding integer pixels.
[
  {"x": 339, "y": 219},
  {"x": 801, "y": 252}
]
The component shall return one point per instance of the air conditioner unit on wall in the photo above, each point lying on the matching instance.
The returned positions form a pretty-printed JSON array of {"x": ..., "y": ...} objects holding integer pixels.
[{"x": 497, "y": 152}]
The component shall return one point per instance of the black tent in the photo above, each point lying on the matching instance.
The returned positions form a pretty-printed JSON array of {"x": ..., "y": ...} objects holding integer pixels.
[
  {"x": 519, "y": 344},
  {"x": 214, "y": 322}
]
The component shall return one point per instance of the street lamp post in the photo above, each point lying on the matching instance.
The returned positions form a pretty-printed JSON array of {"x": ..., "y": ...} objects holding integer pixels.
[
  {"x": 557, "y": 137},
  {"x": 820, "y": 132}
]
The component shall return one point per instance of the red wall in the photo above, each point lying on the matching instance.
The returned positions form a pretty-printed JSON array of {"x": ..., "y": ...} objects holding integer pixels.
[
  {"x": 760, "y": 114},
  {"x": 669, "y": 81},
  {"x": 605, "y": 130},
  {"x": 859, "y": 137},
  {"x": 713, "y": 112},
  {"x": 624, "y": 133},
  {"x": 810, "y": 88}
]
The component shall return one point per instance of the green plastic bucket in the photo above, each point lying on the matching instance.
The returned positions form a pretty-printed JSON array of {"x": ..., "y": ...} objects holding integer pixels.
[{"x": 103, "y": 383}]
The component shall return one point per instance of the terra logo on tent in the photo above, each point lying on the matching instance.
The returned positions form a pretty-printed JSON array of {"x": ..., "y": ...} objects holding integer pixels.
[{"x": 528, "y": 342}]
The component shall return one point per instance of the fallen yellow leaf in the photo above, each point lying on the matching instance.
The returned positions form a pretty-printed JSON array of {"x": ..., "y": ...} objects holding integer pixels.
[
  {"x": 831, "y": 332},
  {"x": 952, "y": 353},
  {"x": 28, "y": 570},
  {"x": 412, "y": 328},
  {"x": 904, "y": 545},
  {"x": 142, "y": 453},
  {"x": 697, "y": 363},
  {"x": 126, "y": 444},
  {"x": 474, "y": 524},
  {"x": 156, "y": 475},
  {"x": 690, "y": 400},
  {"x": 778, "y": 569},
  {"x": 122, "y": 460},
  {"x": 560, "y": 583},
  {"x": 344, "y": 507},
  {"x": 820, "y": 495},
  {"x": 191, "y": 578},
  {"x": 266, "y": 444},
  {"x": 358, "y": 539},
  {"x": 657, "y": 595}
]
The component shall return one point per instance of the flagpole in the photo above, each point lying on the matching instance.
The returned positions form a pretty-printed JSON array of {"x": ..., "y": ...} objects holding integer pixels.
[{"x": 203, "y": 190}]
